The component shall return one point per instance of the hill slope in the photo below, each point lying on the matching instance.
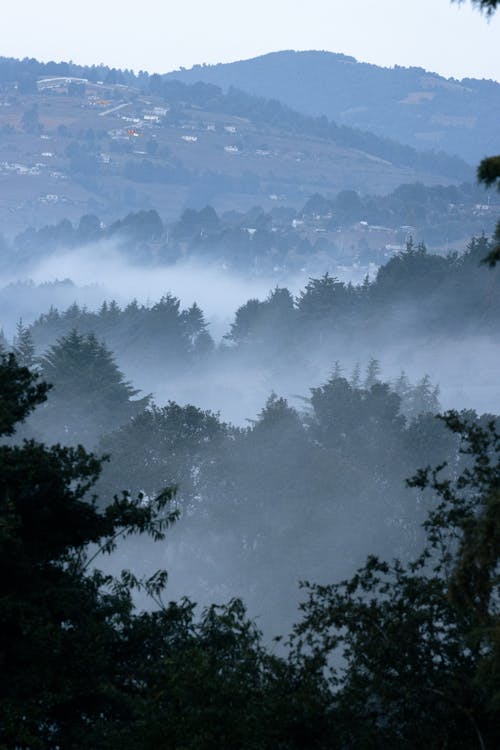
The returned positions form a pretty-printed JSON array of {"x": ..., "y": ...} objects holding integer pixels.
[
  {"x": 410, "y": 105},
  {"x": 72, "y": 143}
]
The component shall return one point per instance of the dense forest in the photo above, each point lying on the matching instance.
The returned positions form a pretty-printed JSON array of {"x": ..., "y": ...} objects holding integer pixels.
[
  {"x": 276, "y": 528},
  {"x": 420, "y": 312},
  {"x": 415, "y": 292},
  {"x": 333, "y": 456},
  {"x": 403, "y": 649}
]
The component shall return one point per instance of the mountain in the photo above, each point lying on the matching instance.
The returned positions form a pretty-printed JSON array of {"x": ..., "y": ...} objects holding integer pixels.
[
  {"x": 410, "y": 105},
  {"x": 77, "y": 140}
]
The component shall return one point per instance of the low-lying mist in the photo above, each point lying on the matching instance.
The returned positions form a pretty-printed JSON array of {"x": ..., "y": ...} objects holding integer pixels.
[
  {"x": 304, "y": 487},
  {"x": 465, "y": 366},
  {"x": 101, "y": 271}
]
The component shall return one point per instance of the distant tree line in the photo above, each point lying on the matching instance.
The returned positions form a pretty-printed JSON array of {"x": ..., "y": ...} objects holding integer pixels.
[
  {"x": 258, "y": 240},
  {"x": 160, "y": 336},
  {"x": 415, "y": 296}
]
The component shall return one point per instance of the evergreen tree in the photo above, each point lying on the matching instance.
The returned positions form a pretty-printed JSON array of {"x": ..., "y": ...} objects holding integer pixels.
[
  {"x": 90, "y": 395},
  {"x": 195, "y": 325},
  {"x": 81, "y": 668},
  {"x": 424, "y": 398},
  {"x": 321, "y": 297},
  {"x": 372, "y": 373},
  {"x": 4, "y": 344},
  {"x": 60, "y": 644},
  {"x": 337, "y": 370},
  {"x": 24, "y": 347},
  {"x": 246, "y": 322},
  {"x": 355, "y": 381},
  {"x": 401, "y": 385}
]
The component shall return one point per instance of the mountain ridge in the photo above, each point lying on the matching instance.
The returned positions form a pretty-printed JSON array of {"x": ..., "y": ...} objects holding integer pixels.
[
  {"x": 75, "y": 140},
  {"x": 411, "y": 105}
]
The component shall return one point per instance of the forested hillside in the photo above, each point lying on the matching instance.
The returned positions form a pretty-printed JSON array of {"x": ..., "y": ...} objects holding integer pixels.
[
  {"x": 420, "y": 633},
  {"x": 76, "y": 140},
  {"x": 323, "y": 234},
  {"x": 410, "y": 105},
  {"x": 249, "y": 395}
]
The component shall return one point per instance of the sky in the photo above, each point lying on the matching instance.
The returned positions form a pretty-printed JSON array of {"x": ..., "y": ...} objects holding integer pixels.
[{"x": 163, "y": 35}]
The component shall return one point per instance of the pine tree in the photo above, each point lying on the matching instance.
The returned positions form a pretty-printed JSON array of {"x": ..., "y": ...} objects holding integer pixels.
[
  {"x": 337, "y": 370},
  {"x": 90, "y": 395},
  {"x": 24, "y": 347},
  {"x": 4, "y": 344},
  {"x": 372, "y": 373},
  {"x": 355, "y": 381},
  {"x": 402, "y": 386},
  {"x": 195, "y": 324}
]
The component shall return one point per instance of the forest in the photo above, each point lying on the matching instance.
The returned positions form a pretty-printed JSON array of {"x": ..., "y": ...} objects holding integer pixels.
[
  {"x": 249, "y": 470},
  {"x": 402, "y": 649},
  {"x": 399, "y": 651},
  {"x": 345, "y": 229}
]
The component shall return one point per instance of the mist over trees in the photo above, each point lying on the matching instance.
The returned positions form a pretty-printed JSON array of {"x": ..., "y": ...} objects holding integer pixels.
[
  {"x": 419, "y": 645},
  {"x": 321, "y": 572},
  {"x": 415, "y": 295},
  {"x": 284, "y": 238}
]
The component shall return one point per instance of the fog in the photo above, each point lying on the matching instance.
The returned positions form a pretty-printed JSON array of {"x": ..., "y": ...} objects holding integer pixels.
[
  {"x": 238, "y": 387},
  {"x": 285, "y": 501},
  {"x": 101, "y": 271}
]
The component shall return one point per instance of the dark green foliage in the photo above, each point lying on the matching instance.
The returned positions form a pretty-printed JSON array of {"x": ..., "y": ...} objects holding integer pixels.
[
  {"x": 60, "y": 641},
  {"x": 143, "y": 225},
  {"x": 157, "y": 336},
  {"x": 256, "y": 240},
  {"x": 4, "y": 344},
  {"x": 489, "y": 6},
  {"x": 193, "y": 224},
  {"x": 80, "y": 668},
  {"x": 89, "y": 228},
  {"x": 20, "y": 392},
  {"x": 321, "y": 297},
  {"x": 417, "y": 400},
  {"x": 415, "y": 294},
  {"x": 213, "y": 685},
  {"x": 412, "y": 272},
  {"x": 200, "y": 341},
  {"x": 488, "y": 172},
  {"x": 419, "y": 642},
  {"x": 319, "y": 482},
  {"x": 346, "y": 415},
  {"x": 255, "y": 319},
  {"x": 162, "y": 447},
  {"x": 90, "y": 395}
]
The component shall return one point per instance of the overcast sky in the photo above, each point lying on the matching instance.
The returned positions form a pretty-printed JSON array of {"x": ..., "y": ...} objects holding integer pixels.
[{"x": 162, "y": 35}]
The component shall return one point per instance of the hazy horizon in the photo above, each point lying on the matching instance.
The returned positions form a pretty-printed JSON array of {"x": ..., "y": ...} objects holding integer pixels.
[{"x": 184, "y": 36}]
